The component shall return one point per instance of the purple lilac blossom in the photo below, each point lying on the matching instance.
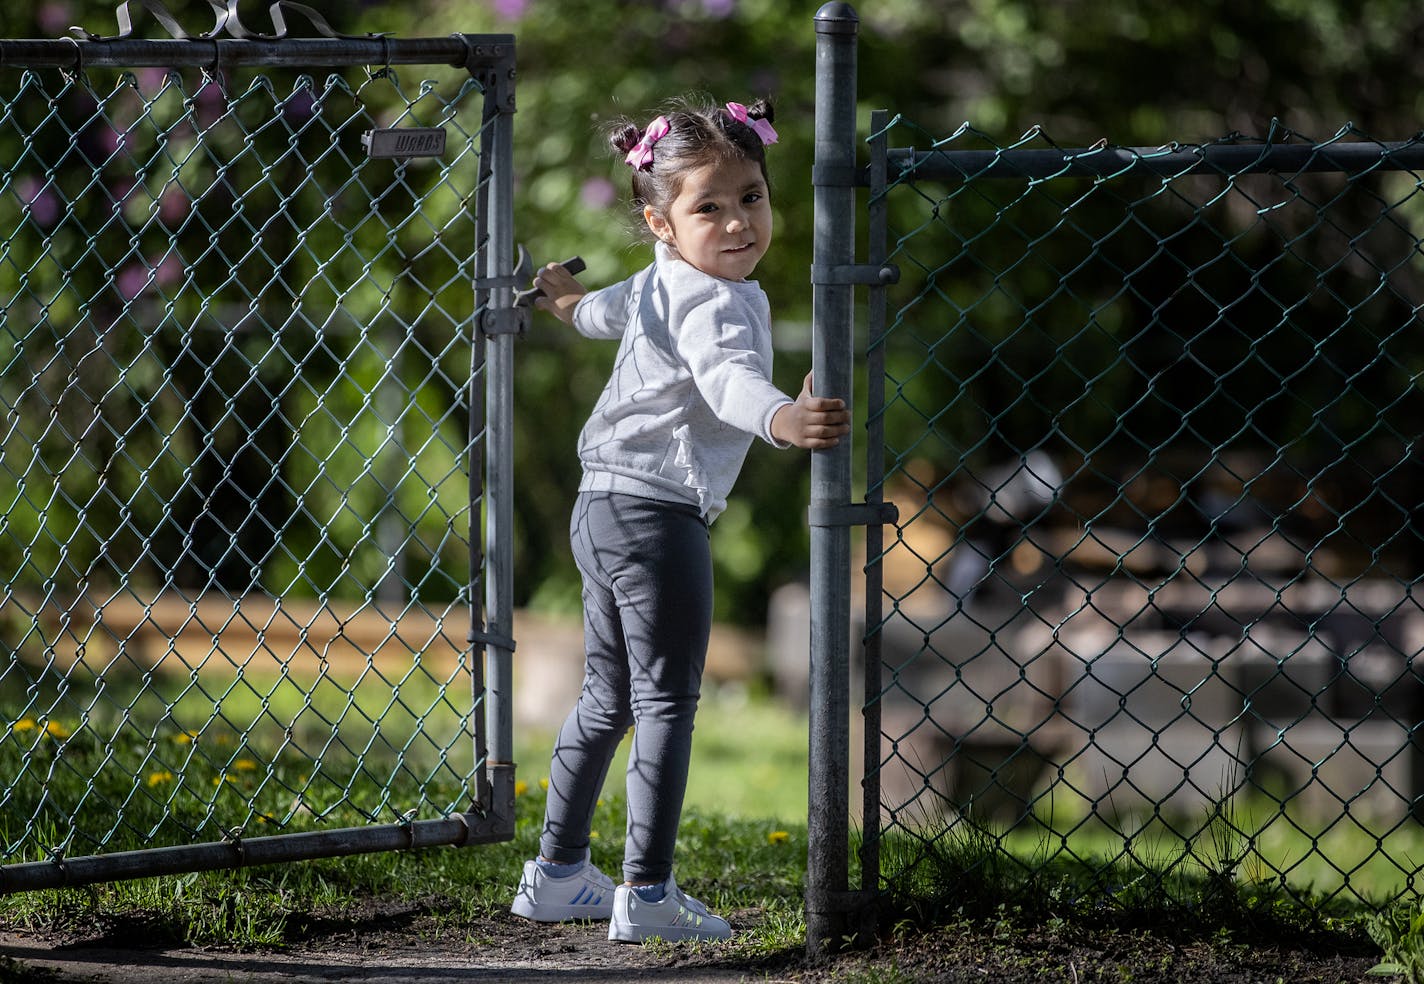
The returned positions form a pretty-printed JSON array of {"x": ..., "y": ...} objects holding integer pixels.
[
  {"x": 131, "y": 281},
  {"x": 43, "y": 203},
  {"x": 54, "y": 17},
  {"x": 598, "y": 193},
  {"x": 173, "y": 205}
]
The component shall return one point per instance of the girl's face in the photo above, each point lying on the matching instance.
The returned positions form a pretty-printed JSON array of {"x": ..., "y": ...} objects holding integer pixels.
[{"x": 720, "y": 221}]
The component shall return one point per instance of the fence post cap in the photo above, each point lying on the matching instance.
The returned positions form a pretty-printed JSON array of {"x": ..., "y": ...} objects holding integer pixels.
[{"x": 836, "y": 17}]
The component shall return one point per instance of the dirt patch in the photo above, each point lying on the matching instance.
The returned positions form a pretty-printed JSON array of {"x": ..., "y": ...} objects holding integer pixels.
[{"x": 408, "y": 944}]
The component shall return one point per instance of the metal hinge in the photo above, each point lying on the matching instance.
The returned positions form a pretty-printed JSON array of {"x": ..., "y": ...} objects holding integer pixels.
[{"x": 505, "y": 321}]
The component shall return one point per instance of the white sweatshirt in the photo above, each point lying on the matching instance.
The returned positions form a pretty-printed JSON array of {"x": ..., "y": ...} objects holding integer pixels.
[{"x": 690, "y": 388}]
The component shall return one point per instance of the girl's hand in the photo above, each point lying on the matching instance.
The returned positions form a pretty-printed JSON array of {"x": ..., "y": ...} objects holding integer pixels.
[
  {"x": 811, "y": 422},
  {"x": 561, "y": 292}
]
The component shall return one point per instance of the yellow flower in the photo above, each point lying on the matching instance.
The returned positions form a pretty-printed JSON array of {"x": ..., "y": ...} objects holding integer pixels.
[
  {"x": 225, "y": 777},
  {"x": 24, "y": 724},
  {"x": 777, "y": 837},
  {"x": 56, "y": 730},
  {"x": 544, "y": 783},
  {"x": 186, "y": 737},
  {"x": 244, "y": 765},
  {"x": 593, "y": 835},
  {"x": 159, "y": 778},
  {"x": 520, "y": 787}
]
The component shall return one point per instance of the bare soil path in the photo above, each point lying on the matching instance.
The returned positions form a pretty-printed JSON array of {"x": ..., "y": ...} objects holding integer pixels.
[{"x": 392, "y": 944}]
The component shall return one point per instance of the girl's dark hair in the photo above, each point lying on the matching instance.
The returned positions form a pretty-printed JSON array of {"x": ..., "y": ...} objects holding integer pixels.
[{"x": 699, "y": 133}]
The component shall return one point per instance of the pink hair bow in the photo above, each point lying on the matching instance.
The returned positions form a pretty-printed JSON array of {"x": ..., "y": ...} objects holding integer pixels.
[
  {"x": 762, "y": 128},
  {"x": 640, "y": 158}
]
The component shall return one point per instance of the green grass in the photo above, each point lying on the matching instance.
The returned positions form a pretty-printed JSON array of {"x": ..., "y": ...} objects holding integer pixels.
[
  {"x": 732, "y": 864},
  {"x": 748, "y": 758},
  {"x": 742, "y": 844}
]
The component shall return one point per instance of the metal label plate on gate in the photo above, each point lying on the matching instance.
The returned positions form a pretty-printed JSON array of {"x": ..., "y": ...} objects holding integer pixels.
[{"x": 398, "y": 142}]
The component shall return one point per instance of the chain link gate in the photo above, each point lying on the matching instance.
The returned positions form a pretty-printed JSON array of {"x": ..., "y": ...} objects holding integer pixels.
[
  {"x": 1149, "y": 419},
  {"x": 255, "y": 343}
]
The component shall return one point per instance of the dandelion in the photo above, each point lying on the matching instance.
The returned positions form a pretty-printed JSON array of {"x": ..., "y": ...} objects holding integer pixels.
[
  {"x": 23, "y": 725},
  {"x": 544, "y": 783},
  {"x": 186, "y": 737},
  {"x": 777, "y": 837},
  {"x": 244, "y": 765},
  {"x": 593, "y": 835},
  {"x": 225, "y": 777},
  {"x": 520, "y": 787},
  {"x": 159, "y": 778},
  {"x": 54, "y": 729}
]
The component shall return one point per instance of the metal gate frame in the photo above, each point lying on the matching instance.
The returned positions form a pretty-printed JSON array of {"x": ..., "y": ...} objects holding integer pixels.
[{"x": 496, "y": 324}]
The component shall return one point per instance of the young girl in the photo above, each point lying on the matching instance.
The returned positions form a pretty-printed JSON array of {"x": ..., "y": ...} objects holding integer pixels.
[{"x": 690, "y": 389}]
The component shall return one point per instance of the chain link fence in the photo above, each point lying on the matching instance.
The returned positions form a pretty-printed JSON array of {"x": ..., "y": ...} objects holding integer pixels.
[
  {"x": 1151, "y": 421},
  {"x": 241, "y": 460}
]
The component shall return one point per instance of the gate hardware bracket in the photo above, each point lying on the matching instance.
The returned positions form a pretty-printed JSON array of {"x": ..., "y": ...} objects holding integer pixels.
[
  {"x": 839, "y": 176},
  {"x": 494, "y": 283},
  {"x": 855, "y": 273},
  {"x": 505, "y": 321},
  {"x": 490, "y": 639},
  {"x": 853, "y": 514}
]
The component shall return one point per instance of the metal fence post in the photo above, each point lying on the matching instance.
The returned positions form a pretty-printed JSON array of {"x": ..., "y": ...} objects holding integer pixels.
[
  {"x": 499, "y": 421},
  {"x": 828, "y": 824}
]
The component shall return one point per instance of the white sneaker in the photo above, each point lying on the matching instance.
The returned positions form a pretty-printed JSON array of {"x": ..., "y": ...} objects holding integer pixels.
[
  {"x": 543, "y": 898},
  {"x": 677, "y": 917}
]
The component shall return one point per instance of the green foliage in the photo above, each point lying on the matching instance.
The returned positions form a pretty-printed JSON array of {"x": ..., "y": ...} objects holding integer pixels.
[
  {"x": 1134, "y": 73},
  {"x": 1399, "y": 933}
]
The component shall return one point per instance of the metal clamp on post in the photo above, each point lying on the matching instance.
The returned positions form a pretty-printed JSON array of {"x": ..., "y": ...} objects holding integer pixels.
[
  {"x": 487, "y": 639},
  {"x": 856, "y": 274},
  {"x": 505, "y": 321},
  {"x": 494, "y": 283},
  {"x": 853, "y": 514},
  {"x": 839, "y": 176}
]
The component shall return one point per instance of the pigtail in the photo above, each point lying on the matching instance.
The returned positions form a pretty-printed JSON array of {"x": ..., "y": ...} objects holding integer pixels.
[
  {"x": 761, "y": 109},
  {"x": 624, "y": 136}
]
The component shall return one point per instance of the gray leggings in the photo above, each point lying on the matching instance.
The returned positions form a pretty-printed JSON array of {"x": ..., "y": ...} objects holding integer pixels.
[{"x": 647, "y": 603}]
